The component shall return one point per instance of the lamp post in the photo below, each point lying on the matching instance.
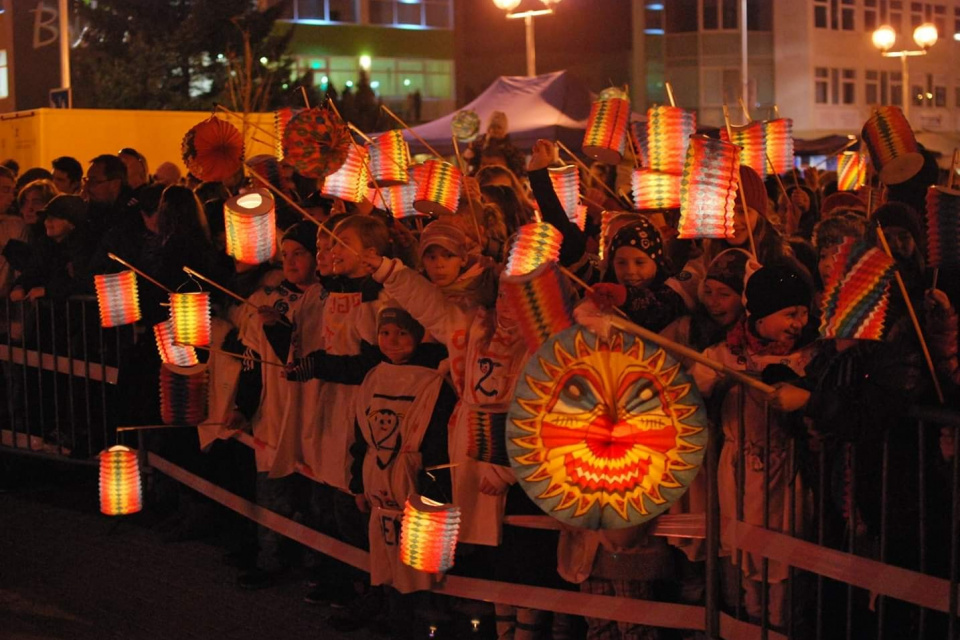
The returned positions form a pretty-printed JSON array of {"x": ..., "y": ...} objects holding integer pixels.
[
  {"x": 528, "y": 16},
  {"x": 885, "y": 37}
]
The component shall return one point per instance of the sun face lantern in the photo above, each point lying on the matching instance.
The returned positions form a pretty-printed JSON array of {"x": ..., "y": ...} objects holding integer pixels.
[
  {"x": 605, "y": 435},
  {"x": 892, "y": 145},
  {"x": 213, "y": 150},
  {"x": 851, "y": 171},
  {"x": 349, "y": 182},
  {"x": 943, "y": 227},
  {"x": 542, "y": 301},
  {"x": 708, "y": 189},
  {"x": 778, "y": 135},
  {"x": 655, "y": 189},
  {"x": 668, "y": 135},
  {"x": 190, "y": 313},
  {"x": 316, "y": 142},
  {"x": 389, "y": 159},
  {"x": 120, "y": 492},
  {"x": 117, "y": 298},
  {"x": 251, "y": 226},
  {"x": 170, "y": 352},
  {"x": 606, "y": 137},
  {"x": 438, "y": 188},
  {"x": 183, "y": 394},
  {"x": 751, "y": 138},
  {"x": 856, "y": 295},
  {"x": 428, "y": 534},
  {"x": 566, "y": 184},
  {"x": 533, "y": 245}
]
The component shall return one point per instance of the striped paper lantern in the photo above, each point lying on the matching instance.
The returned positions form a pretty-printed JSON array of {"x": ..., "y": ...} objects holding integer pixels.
[
  {"x": 438, "y": 188},
  {"x": 639, "y": 130},
  {"x": 751, "y": 138},
  {"x": 668, "y": 135},
  {"x": 533, "y": 245},
  {"x": 398, "y": 200},
  {"x": 349, "y": 182},
  {"x": 708, "y": 189},
  {"x": 566, "y": 184},
  {"x": 542, "y": 301},
  {"x": 892, "y": 145},
  {"x": 250, "y": 223},
  {"x": 856, "y": 291},
  {"x": 943, "y": 227},
  {"x": 779, "y": 144},
  {"x": 170, "y": 352},
  {"x": 428, "y": 534},
  {"x": 183, "y": 394},
  {"x": 389, "y": 159},
  {"x": 606, "y": 137},
  {"x": 120, "y": 492},
  {"x": 851, "y": 171},
  {"x": 655, "y": 189},
  {"x": 281, "y": 117},
  {"x": 191, "y": 318},
  {"x": 487, "y": 432},
  {"x": 117, "y": 298}
]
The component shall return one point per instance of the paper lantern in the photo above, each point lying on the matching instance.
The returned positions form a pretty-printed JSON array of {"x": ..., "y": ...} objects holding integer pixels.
[
  {"x": 542, "y": 302},
  {"x": 349, "y": 182},
  {"x": 778, "y": 135},
  {"x": 487, "y": 433},
  {"x": 170, "y": 352},
  {"x": 398, "y": 200},
  {"x": 655, "y": 189},
  {"x": 120, "y": 492},
  {"x": 250, "y": 223},
  {"x": 751, "y": 138},
  {"x": 856, "y": 294},
  {"x": 892, "y": 145},
  {"x": 389, "y": 159},
  {"x": 183, "y": 394},
  {"x": 428, "y": 534},
  {"x": 118, "y": 298},
  {"x": 465, "y": 125},
  {"x": 668, "y": 135},
  {"x": 213, "y": 150},
  {"x": 708, "y": 189},
  {"x": 316, "y": 142},
  {"x": 190, "y": 313},
  {"x": 943, "y": 227},
  {"x": 281, "y": 118},
  {"x": 639, "y": 130},
  {"x": 533, "y": 245},
  {"x": 606, "y": 137},
  {"x": 438, "y": 188},
  {"x": 566, "y": 184},
  {"x": 851, "y": 171}
]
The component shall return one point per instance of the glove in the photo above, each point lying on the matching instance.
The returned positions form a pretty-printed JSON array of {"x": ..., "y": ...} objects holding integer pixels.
[{"x": 300, "y": 370}]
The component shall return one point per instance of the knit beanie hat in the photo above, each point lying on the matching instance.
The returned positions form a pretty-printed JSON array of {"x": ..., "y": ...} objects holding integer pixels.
[
  {"x": 753, "y": 190},
  {"x": 399, "y": 317},
  {"x": 305, "y": 233},
  {"x": 643, "y": 235},
  {"x": 446, "y": 235},
  {"x": 842, "y": 201},
  {"x": 729, "y": 268},
  {"x": 898, "y": 214},
  {"x": 771, "y": 289},
  {"x": 67, "y": 207}
]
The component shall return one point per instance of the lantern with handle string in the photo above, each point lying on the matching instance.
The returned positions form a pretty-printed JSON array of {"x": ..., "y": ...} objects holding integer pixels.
[
  {"x": 566, "y": 184},
  {"x": 893, "y": 148},
  {"x": 438, "y": 187},
  {"x": 349, "y": 182},
  {"x": 183, "y": 394},
  {"x": 428, "y": 534},
  {"x": 708, "y": 189},
  {"x": 389, "y": 159},
  {"x": 534, "y": 244},
  {"x": 118, "y": 298},
  {"x": 191, "y": 318},
  {"x": 170, "y": 352},
  {"x": 120, "y": 491},
  {"x": 668, "y": 133},
  {"x": 778, "y": 135},
  {"x": 251, "y": 226},
  {"x": 655, "y": 189},
  {"x": 606, "y": 136},
  {"x": 751, "y": 138}
]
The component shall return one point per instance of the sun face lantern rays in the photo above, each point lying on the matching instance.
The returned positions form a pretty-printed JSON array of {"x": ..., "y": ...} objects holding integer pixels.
[
  {"x": 118, "y": 298},
  {"x": 251, "y": 226},
  {"x": 428, "y": 534},
  {"x": 778, "y": 137},
  {"x": 606, "y": 136},
  {"x": 708, "y": 189},
  {"x": 751, "y": 138},
  {"x": 191, "y": 318},
  {"x": 389, "y": 159},
  {"x": 534, "y": 244},
  {"x": 438, "y": 187},
  {"x": 566, "y": 184},
  {"x": 120, "y": 492}
]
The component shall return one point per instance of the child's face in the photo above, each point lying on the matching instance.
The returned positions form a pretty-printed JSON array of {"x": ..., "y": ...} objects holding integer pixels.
[
  {"x": 299, "y": 265},
  {"x": 32, "y": 203},
  {"x": 441, "y": 266},
  {"x": 784, "y": 326},
  {"x": 57, "y": 228},
  {"x": 721, "y": 302},
  {"x": 396, "y": 343},
  {"x": 346, "y": 262},
  {"x": 634, "y": 268},
  {"x": 324, "y": 254}
]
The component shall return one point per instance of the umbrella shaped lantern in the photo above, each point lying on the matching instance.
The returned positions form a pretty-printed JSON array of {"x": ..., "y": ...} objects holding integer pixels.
[{"x": 213, "y": 150}]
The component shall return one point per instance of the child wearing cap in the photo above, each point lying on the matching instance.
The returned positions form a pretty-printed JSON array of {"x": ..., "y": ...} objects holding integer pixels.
[{"x": 468, "y": 280}]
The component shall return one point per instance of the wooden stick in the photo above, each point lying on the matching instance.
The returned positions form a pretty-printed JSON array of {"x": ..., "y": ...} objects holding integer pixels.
[
  {"x": 743, "y": 197},
  {"x": 145, "y": 427},
  {"x": 357, "y": 131},
  {"x": 849, "y": 144},
  {"x": 463, "y": 170},
  {"x": 783, "y": 189},
  {"x": 936, "y": 276},
  {"x": 437, "y": 467},
  {"x": 913, "y": 316},
  {"x": 363, "y": 157},
  {"x": 306, "y": 100},
  {"x": 954, "y": 164},
  {"x": 583, "y": 166},
  {"x": 236, "y": 296},
  {"x": 776, "y": 111},
  {"x": 244, "y": 120},
  {"x": 412, "y": 132},
  {"x": 137, "y": 271},
  {"x": 238, "y": 356},
  {"x": 669, "y": 87},
  {"x": 633, "y": 148},
  {"x": 746, "y": 112}
]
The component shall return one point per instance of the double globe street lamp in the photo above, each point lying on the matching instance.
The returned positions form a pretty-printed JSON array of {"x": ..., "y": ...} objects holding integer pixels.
[
  {"x": 885, "y": 37},
  {"x": 509, "y": 6}
]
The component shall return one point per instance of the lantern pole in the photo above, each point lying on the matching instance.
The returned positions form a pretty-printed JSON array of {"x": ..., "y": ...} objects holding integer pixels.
[
  {"x": 669, "y": 87},
  {"x": 583, "y": 166},
  {"x": 411, "y": 131},
  {"x": 473, "y": 210},
  {"x": 363, "y": 158},
  {"x": 238, "y": 356},
  {"x": 743, "y": 197},
  {"x": 116, "y": 258},
  {"x": 235, "y": 296}
]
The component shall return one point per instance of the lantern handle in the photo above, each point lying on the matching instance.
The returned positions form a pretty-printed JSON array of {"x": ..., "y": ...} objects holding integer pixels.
[
  {"x": 116, "y": 258},
  {"x": 412, "y": 132},
  {"x": 238, "y": 356},
  {"x": 245, "y": 121},
  {"x": 743, "y": 197},
  {"x": 190, "y": 272},
  {"x": 363, "y": 158}
]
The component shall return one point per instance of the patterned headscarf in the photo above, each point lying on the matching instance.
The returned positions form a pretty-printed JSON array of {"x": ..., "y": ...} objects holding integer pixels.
[{"x": 642, "y": 235}]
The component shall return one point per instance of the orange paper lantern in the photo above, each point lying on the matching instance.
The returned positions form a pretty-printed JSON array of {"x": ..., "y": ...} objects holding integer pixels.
[
  {"x": 213, "y": 150},
  {"x": 534, "y": 244},
  {"x": 428, "y": 534},
  {"x": 349, "y": 182},
  {"x": 389, "y": 159},
  {"x": 752, "y": 140},
  {"x": 668, "y": 134},
  {"x": 542, "y": 301},
  {"x": 438, "y": 187},
  {"x": 191, "y": 318},
  {"x": 655, "y": 189},
  {"x": 250, "y": 223},
  {"x": 779, "y": 144},
  {"x": 892, "y": 145},
  {"x": 183, "y": 394},
  {"x": 118, "y": 298},
  {"x": 566, "y": 184},
  {"x": 851, "y": 171},
  {"x": 170, "y": 352},
  {"x": 708, "y": 189},
  {"x": 606, "y": 136},
  {"x": 119, "y": 482}
]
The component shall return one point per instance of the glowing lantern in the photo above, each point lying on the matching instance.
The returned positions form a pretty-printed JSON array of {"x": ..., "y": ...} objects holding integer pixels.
[
  {"x": 428, "y": 534},
  {"x": 487, "y": 432},
  {"x": 639, "y": 130},
  {"x": 708, "y": 189},
  {"x": 606, "y": 136},
  {"x": 856, "y": 293},
  {"x": 566, "y": 184},
  {"x": 851, "y": 171},
  {"x": 892, "y": 145},
  {"x": 389, "y": 159},
  {"x": 183, "y": 394},
  {"x": 438, "y": 187},
  {"x": 542, "y": 301},
  {"x": 779, "y": 140},
  {"x": 349, "y": 182},
  {"x": 119, "y": 482},
  {"x": 398, "y": 200},
  {"x": 169, "y": 352},
  {"x": 655, "y": 189},
  {"x": 281, "y": 118},
  {"x": 251, "y": 226},
  {"x": 751, "y": 138},
  {"x": 943, "y": 227},
  {"x": 191, "y": 318},
  {"x": 534, "y": 244},
  {"x": 668, "y": 134},
  {"x": 118, "y": 298}
]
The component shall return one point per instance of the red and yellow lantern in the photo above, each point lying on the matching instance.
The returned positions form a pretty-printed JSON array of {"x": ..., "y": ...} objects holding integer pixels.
[
  {"x": 183, "y": 394},
  {"x": 751, "y": 138},
  {"x": 851, "y": 171},
  {"x": 428, "y": 534},
  {"x": 250, "y": 223},
  {"x": 534, "y": 244},
  {"x": 566, "y": 184},
  {"x": 542, "y": 301},
  {"x": 349, "y": 182},
  {"x": 190, "y": 313},
  {"x": 778, "y": 135},
  {"x": 606, "y": 137},
  {"x": 389, "y": 159},
  {"x": 893, "y": 147},
  {"x": 668, "y": 135},
  {"x": 708, "y": 189},
  {"x": 655, "y": 189},
  {"x": 118, "y": 298},
  {"x": 438, "y": 187},
  {"x": 120, "y": 492},
  {"x": 170, "y": 352}
]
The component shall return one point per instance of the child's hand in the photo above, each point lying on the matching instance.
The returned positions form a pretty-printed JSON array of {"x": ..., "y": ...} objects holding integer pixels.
[
  {"x": 363, "y": 505},
  {"x": 593, "y": 318},
  {"x": 544, "y": 152},
  {"x": 300, "y": 370},
  {"x": 492, "y": 484},
  {"x": 788, "y": 398},
  {"x": 372, "y": 262},
  {"x": 269, "y": 316},
  {"x": 608, "y": 295},
  {"x": 236, "y": 421},
  {"x": 936, "y": 300}
]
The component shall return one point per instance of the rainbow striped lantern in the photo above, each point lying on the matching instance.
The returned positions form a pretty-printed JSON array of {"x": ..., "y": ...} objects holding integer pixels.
[
  {"x": 566, "y": 184},
  {"x": 250, "y": 222},
  {"x": 118, "y": 298},
  {"x": 170, "y": 352},
  {"x": 943, "y": 227},
  {"x": 349, "y": 182},
  {"x": 533, "y": 245},
  {"x": 542, "y": 301},
  {"x": 487, "y": 437},
  {"x": 856, "y": 293},
  {"x": 606, "y": 136},
  {"x": 428, "y": 534},
  {"x": 281, "y": 118},
  {"x": 851, "y": 171},
  {"x": 708, "y": 189},
  {"x": 751, "y": 138},
  {"x": 120, "y": 493},
  {"x": 438, "y": 188},
  {"x": 668, "y": 135},
  {"x": 191, "y": 318},
  {"x": 892, "y": 145},
  {"x": 655, "y": 189},
  {"x": 399, "y": 199},
  {"x": 183, "y": 394},
  {"x": 389, "y": 159},
  {"x": 778, "y": 135}
]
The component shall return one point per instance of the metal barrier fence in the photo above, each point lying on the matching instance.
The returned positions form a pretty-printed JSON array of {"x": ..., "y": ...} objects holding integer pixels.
[{"x": 62, "y": 379}]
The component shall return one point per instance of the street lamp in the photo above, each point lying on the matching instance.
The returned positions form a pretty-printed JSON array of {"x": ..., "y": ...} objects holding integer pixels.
[
  {"x": 885, "y": 37},
  {"x": 528, "y": 16}
]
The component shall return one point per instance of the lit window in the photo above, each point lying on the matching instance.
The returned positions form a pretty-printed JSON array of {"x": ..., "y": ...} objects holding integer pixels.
[{"x": 4, "y": 89}]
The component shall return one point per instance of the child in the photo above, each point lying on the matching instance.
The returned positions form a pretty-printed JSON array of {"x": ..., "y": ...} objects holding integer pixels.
[{"x": 468, "y": 280}]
